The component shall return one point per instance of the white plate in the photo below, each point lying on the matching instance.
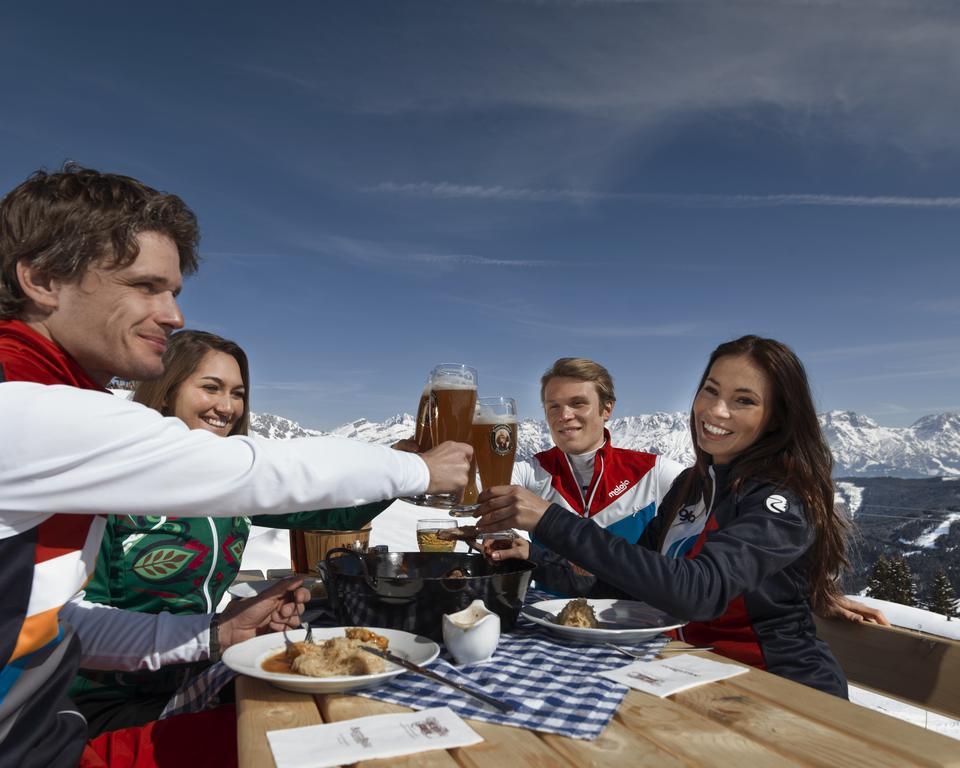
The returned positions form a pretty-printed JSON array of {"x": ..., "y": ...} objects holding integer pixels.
[
  {"x": 634, "y": 621},
  {"x": 246, "y": 658},
  {"x": 244, "y": 589}
]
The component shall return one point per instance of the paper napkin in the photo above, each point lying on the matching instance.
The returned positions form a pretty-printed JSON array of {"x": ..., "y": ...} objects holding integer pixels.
[
  {"x": 370, "y": 738},
  {"x": 664, "y": 677}
]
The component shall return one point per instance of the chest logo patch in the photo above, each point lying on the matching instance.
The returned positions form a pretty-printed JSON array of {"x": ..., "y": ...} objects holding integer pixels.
[
  {"x": 777, "y": 504},
  {"x": 688, "y": 514}
]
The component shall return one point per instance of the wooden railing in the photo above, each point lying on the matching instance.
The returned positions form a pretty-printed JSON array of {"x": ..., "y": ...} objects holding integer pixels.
[{"x": 917, "y": 668}]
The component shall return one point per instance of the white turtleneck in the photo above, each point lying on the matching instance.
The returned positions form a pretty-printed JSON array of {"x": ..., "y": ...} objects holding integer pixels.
[{"x": 582, "y": 465}]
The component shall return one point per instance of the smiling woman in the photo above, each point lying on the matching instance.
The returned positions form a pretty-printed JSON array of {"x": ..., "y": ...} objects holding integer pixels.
[
  {"x": 181, "y": 565},
  {"x": 746, "y": 541},
  {"x": 730, "y": 410}
]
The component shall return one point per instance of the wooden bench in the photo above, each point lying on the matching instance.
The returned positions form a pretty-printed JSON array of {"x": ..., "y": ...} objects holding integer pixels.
[{"x": 918, "y": 668}]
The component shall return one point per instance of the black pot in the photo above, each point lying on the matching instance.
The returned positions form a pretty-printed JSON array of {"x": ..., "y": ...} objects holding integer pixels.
[{"x": 413, "y": 590}]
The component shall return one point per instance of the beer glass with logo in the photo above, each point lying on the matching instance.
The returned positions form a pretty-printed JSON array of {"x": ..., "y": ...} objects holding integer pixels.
[{"x": 494, "y": 439}]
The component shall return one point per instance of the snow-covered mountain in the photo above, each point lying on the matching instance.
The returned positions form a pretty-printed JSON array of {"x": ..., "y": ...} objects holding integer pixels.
[
  {"x": 278, "y": 428},
  {"x": 861, "y": 447},
  {"x": 383, "y": 433}
]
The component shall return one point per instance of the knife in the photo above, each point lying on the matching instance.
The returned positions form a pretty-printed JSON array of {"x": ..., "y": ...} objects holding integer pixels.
[{"x": 505, "y": 708}]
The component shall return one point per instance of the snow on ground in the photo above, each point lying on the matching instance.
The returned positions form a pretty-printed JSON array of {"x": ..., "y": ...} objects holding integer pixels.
[
  {"x": 910, "y": 618},
  {"x": 914, "y": 618},
  {"x": 928, "y": 539},
  {"x": 902, "y": 711},
  {"x": 851, "y": 495}
]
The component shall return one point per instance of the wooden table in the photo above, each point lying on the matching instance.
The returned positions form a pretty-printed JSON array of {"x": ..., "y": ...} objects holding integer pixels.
[{"x": 749, "y": 721}]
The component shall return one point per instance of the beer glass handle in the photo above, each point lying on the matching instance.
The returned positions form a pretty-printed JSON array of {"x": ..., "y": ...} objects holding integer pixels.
[{"x": 432, "y": 420}]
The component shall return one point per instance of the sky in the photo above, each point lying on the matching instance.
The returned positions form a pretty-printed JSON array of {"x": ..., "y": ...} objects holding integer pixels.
[{"x": 384, "y": 186}]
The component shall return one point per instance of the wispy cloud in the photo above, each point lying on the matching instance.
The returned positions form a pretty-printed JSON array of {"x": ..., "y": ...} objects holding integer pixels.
[
  {"x": 450, "y": 191},
  {"x": 444, "y": 190},
  {"x": 891, "y": 349},
  {"x": 293, "y": 386},
  {"x": 522, "y": 313},
  {"x": 934, "y": 373},
  {"x": 948, "y": 306},
  {"x": 281, "y": 75},
  {"x": 628, "y": 331},
  {"x": 379, "y": 253},
  {"x": 874, "y": 72},
  {"x": 453, "y": 259},
  {"x": 868, "y": 4}
]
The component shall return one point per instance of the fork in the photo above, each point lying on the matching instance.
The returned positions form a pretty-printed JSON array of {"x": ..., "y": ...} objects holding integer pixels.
[
  {"x": 638, "y": 655},
  {"x": 290, "y": 644},
  {"x": 626, "y": 651}
]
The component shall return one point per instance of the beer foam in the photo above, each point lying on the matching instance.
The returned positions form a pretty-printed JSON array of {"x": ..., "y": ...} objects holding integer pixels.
[
  {"x": 487, "y": 415},
  {"x": 452, "y": 380}
]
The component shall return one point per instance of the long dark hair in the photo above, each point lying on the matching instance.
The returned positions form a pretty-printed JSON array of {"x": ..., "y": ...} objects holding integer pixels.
[
  {"x": 184, "y": 353},
  {"x": 791, "y": 454}
]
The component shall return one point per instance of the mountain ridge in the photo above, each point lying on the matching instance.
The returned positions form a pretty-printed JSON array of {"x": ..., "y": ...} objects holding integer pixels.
[{"x": 930, "y": 447}]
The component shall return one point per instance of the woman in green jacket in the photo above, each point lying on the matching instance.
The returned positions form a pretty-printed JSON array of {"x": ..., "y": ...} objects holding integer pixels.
[{"x": 175, "y": 564}]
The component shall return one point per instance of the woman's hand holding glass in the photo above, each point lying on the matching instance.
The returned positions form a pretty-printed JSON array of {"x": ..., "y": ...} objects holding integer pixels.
[
  {"x": 506, "y": 549},
  {"x": 509, "y": 506}
]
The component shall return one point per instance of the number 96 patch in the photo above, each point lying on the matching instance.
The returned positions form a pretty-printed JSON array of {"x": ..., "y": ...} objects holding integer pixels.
[{"x": 777, "y": 504}]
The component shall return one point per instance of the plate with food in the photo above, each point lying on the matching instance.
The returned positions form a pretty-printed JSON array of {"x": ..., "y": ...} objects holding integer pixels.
[
  {"x": 600, "y": 621},
  {"x": 332, "y": 663}
]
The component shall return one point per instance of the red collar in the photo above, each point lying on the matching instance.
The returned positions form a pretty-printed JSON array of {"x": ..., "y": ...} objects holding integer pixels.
[
  {"x": 26, "y": 355},
  {"x": 557, "y": 464}
]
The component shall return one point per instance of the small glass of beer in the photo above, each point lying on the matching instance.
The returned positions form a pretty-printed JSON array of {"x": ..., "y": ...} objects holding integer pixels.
[
  {"x": 428, "y": 539},
  {"x": 494, "y": 439}
]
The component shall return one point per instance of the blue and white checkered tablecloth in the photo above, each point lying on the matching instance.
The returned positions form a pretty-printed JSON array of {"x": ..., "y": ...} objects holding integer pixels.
[{"x": 552, "y": 683}]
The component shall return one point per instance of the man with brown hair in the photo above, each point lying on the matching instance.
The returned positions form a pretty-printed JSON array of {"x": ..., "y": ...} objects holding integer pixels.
[
  {"x": 90, "y": 268},
  {"x": 617, "y": 488}
]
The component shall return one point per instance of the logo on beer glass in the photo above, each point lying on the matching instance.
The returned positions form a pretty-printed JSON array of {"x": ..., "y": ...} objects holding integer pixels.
[{"x": 501, "y": 439}]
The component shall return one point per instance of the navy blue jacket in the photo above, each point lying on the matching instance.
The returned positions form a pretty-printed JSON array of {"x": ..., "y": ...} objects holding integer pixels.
[{"x": 742, "y": 586}]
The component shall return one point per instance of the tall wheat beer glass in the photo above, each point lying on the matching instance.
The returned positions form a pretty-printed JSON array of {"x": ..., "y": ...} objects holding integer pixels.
[
  {"x": 494, "y": 439},
  {"x": 450, "y": 406}
]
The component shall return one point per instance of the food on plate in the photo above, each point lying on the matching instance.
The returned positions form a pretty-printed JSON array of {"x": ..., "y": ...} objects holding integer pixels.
[
  {"x": 578, "y": 613},
  {"x": 338, "y": 656},
  {"x": 367, "y": 637},
  {"x": 335, "y": 657}
]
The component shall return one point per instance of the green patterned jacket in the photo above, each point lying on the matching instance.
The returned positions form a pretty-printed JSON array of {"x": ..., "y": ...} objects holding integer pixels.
[{"x": 181, "y": 565}]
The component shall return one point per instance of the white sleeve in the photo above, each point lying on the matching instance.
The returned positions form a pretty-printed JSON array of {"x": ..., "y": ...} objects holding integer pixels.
[
  {"x": 68, "y": 450},
  {"x": 127, "y": 641},
  {"x": 667, "y": 472},
  {"x": 523, "y": 475}
]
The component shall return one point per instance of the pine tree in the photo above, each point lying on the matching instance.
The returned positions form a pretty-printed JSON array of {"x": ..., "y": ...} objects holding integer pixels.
[
  {"x": 943, "y": 599},
  {"x": 879, "y": 586},
  {"x": 903, "y": 590}
]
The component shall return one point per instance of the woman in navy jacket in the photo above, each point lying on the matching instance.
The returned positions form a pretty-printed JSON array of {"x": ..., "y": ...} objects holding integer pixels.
[{"x": 747, "y": 540}]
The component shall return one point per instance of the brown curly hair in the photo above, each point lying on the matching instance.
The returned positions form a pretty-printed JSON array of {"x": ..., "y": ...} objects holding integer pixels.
[{"x": 62, "y": 223}]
